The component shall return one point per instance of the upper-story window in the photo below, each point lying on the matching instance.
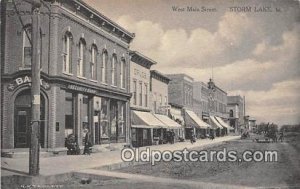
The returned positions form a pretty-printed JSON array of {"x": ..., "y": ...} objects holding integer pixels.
[
  {"x": 81, "y": 58},
  {"x": 104, "y": 67},
  {"x": 146, "y": 95},
  {"x": 27, "y": 51},
  {"x": 230, "y": 113},
  {"x": 141, "y": 94},
  {"x": 154, "y": 102},
  {"x": 93, "y": 64},
  {"x": 134, "y": 92},
  {"x": 122, "y": 72},
  {"x": 67, "y": 49},
  {"x": 166, "y": 100},
  {"x": 160, "y": 100},
  {"x": 113, "y": 70}
]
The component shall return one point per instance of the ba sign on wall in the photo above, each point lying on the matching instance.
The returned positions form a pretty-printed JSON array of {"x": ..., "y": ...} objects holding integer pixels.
[{"x": 26, "y": 80}]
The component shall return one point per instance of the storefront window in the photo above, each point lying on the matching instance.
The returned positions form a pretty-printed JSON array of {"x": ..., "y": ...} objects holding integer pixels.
[
  {"x": 145, "y": 134},
  {"x": 121, "y": 124},
  {"x": 104, "y": 118},
  {"x": 69, "y": 124},
  {"x": 84, "y": 112},
  {"x": 133, "y": 131},
  {"x": 97, "y": 109},
  {"x": 113, "y": 113}
]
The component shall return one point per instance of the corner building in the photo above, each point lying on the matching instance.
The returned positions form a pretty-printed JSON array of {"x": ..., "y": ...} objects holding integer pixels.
[{"x": 84, "y": 75}]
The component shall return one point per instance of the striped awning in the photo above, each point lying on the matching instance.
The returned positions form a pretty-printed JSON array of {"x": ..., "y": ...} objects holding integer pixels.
[
  {"x": 220, "y": 120},
  {"x": 215, "y": 123},
  {"x": 141, "y": 119},
  {"x": 167, "y": 121},
  {"x": 192, "y": 120}
]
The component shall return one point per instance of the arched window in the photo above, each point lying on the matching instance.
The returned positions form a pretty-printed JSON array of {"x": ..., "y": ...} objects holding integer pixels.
[
  {"x": 27, "y": 51},
  {"x": 93, "y": 65},
  {"x": 122, "y": 73},
  {"x": 81, "y": 58},
  {"x": 230, "y": 113},
  {"x": 67, "y": 49},
  {"x": 104, "y": 67},
  {"x": 113, "y": 70}
]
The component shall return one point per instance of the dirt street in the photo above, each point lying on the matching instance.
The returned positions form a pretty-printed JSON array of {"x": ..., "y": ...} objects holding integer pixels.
[{"x": 285, "y": 173}]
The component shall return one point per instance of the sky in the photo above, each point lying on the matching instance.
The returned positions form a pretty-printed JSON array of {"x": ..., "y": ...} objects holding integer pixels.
[{"x": 248, "y": 50}]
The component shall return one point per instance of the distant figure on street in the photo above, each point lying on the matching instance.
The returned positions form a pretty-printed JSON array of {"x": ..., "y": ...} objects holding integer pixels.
[
  {"x": 87, "y": 143},
  {"x": 281, "y": 136},
  {"x": 211, "y": 136},
  {"x": 72, "y": 145},
  {"x": 172, "y": 137},
  {"x": 193, "y": 138}
]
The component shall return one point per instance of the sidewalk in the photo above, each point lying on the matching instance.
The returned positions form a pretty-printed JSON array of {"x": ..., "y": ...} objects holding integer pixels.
[
  {"x": 65, "y": 164},
  {"x": 154, "y": 180}
]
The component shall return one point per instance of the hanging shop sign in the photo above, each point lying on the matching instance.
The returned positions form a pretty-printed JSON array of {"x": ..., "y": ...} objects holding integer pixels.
[
  {"x": 81, "y": 89},
  {"x": 26, "y": 80}
]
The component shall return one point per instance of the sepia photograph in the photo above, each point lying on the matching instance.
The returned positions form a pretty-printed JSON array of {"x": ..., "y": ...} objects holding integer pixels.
[{"x": 150, "y": 94}]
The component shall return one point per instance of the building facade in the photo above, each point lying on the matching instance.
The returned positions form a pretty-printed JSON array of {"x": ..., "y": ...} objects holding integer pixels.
[
  {"x": 159, "y": 92},
  {"x": 200, "y": 100},
  {"x": 181, "y": 90},
  {"x": 141, "y": 131},
  {"x": 217, "y": 101},
  {"x": 84, "y": 75},
  {"x": 161, "y": 109},
  {"x": 235, "y": 108},
  {"x": 218, "y": 115}
]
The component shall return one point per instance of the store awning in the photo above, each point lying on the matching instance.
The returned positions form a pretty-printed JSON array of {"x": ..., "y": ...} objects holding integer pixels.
[
  {"x": 168, "y": 122},
  {"x": 141, "y": 119},
  {"x": 192, "y": 120},
  {"x": 176, "y": 116},
  {"x": 215, "y": 123},
  {"x": 223, "y": 123}
]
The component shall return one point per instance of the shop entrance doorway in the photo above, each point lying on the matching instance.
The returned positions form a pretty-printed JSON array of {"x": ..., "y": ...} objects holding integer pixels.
[{"x": 22, "y": 119}]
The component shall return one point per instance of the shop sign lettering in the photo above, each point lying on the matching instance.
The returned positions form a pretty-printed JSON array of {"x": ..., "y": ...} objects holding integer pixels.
[
  {"x": 81, "y": 89},
  {"x": 26, "y": 80}
]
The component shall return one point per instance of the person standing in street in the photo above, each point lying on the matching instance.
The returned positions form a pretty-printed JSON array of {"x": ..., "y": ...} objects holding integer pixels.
[{"x": 87, "y": 143}]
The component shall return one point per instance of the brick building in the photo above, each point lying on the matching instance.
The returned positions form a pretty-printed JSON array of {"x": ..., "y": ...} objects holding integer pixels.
[
  {"x": 142, "y": 120},
  {"x": 159, "y": 92},
  {"x": 235, "y": 108},
  {"x": 217, "y": 103},
  {"x": 181, "y": 90},
  {"x": 161, "y": 107},
  {"x": 200, "y": 100},
  {"x": 84, "y": 75},
  {"x": 181, "y": 93}
]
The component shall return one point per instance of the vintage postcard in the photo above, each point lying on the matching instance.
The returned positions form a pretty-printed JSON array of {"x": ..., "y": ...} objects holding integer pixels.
[{"x": 150, "y": 94}]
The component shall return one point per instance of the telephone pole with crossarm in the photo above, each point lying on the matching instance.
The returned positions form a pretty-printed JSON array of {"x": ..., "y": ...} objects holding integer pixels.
[{"x": 34, "y": 151}]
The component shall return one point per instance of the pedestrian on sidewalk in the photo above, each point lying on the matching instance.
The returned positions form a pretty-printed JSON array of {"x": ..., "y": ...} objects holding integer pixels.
[
  {"x": 87, "y": 143},
  {"x": 193, "y": 138},
  {"x": 280, "y": 136}
]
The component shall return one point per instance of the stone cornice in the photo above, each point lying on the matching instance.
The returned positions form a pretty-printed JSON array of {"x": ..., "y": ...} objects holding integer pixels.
[{"x": 95, "y": 16}]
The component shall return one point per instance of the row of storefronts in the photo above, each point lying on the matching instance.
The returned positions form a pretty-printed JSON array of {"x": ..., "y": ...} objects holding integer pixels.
[
  {"x": 151, "y": 129},
  {"x": 91, "y": 80}
]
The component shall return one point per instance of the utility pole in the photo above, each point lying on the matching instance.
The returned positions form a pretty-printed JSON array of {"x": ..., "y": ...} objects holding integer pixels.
[{"x": 34, "y": 151}]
